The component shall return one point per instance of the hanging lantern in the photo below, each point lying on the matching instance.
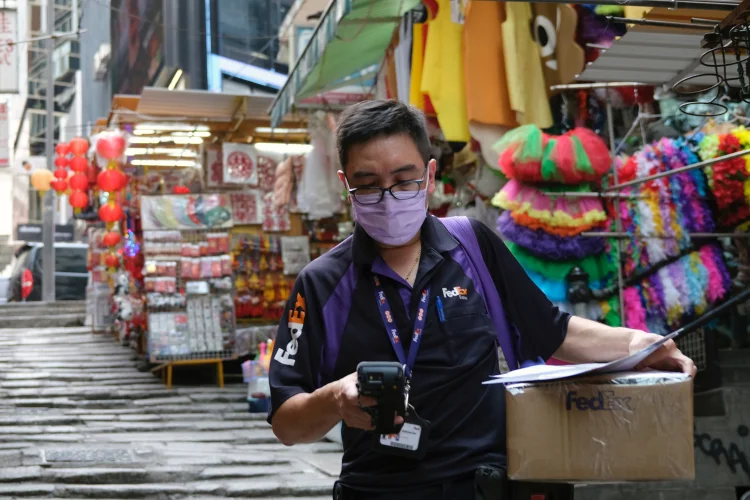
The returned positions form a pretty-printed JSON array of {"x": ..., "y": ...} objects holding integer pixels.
[
  {"x": 62, "y": 149},
  {"x": 62, "y": 162},
  {"x": 111, "y": 260},
  {"x": 180, "y": 190},
  {"x": 111, "y": 180},
  {"x": 61, "y": 174},
  {"x": 79, "y": 164},
  {"x": 59, "y": 185},
  {"x": 111, "y": 239},
  {"x": 79, "y": 182},
  {"x": 79, "y": 146},
  {"x": 78, "y": 200},
  {"x": 41, "y": 179},
  {"x": 110, "y": 212},
  {"x": 111, "y": 145}
]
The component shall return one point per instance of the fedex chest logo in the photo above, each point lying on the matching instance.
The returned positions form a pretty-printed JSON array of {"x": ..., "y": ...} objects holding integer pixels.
[
  {"x": 601, "y": 401},
  {"x": 461, "y": 293}
]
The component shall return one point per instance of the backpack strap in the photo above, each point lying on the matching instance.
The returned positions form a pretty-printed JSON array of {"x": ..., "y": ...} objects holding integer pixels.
[{"x": 461, "y": 229}]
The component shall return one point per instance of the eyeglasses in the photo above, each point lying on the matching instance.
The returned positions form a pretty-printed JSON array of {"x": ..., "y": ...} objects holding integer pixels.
[{"x": 403, "y": 190}]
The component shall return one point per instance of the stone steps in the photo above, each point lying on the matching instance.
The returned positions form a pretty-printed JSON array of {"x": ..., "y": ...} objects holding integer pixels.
[{"x": 78, "y": 420}]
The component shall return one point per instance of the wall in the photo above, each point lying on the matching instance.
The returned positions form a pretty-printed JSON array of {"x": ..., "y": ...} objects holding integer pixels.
[{"x": 98, "y": 94}]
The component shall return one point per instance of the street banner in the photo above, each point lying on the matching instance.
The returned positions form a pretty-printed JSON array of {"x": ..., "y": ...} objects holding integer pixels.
[{"x": 8, "y": 52}]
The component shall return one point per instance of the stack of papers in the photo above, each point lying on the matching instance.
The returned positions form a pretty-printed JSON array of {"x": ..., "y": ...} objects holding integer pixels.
[{"x": 540, "y": 373}]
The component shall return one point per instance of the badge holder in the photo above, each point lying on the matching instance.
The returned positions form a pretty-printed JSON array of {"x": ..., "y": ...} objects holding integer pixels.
[{"x": 411, "y": 441}]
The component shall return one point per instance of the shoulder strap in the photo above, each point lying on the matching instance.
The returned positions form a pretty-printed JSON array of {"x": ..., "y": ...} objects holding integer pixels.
[{"x": 461, "y": 229}]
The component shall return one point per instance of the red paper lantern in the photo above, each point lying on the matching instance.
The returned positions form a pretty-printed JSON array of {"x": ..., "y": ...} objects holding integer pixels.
[
  {"x": 61, "y": 174},
  {"x": 181, "y": 190},
  {"x": 62, "y": 162},
  {"x": 62, "y": 149},
  {"x": 111, "y": 180},
  {"x": 60, "y": 186},
  {"x": 111, "y": 146},
  {"x": 79, "y": 182},
  {"x": 79, "y": 146},
  {"x": 79, "y": 199},
  {"x": 79, "y": 164},
  {"x": 111, "y": 239},
  {"x": 111, "y": 260},
  {"x": 110, "y": 212}
]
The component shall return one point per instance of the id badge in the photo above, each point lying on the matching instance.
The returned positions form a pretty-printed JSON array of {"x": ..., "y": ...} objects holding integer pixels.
[{"x": 411, "y": 442}]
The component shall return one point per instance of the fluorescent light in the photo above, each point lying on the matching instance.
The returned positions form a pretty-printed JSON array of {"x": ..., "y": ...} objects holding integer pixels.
[
  {"x": 144, "y": 131},
  {"x": 186, "y": 140},
  {"x": 165, "y": 163},
  {"x": 192, "y": 134},
  {"x": 277, "y": 147},
  {"x": 187, "y": 153},
  {"x": 144, "y": 140},
  {"x": 175, "y": 79},
  {"x": 269, "y": 130},
  {"x": 172, "y": 127}
]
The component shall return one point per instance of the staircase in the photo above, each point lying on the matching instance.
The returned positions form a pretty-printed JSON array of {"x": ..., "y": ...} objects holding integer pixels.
[
  {"x": 42, "y": 314},
  {"x": 77, "y": 420}
]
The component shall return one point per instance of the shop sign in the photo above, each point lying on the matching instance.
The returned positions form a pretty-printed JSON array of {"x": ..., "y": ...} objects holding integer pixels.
[
  {"x": 8, "y": 52},
  {"x": 32, "y": 233},
  {"x": 4, "y": 136}
]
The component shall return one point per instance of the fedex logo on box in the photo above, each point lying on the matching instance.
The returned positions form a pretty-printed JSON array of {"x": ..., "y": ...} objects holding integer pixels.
[{"x": 602, "y": 401}]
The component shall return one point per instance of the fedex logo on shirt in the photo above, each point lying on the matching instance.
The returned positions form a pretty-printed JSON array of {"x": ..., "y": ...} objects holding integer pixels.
[
  {"x": 461, "y": 293},
  {"x": 295, "y": 323}
]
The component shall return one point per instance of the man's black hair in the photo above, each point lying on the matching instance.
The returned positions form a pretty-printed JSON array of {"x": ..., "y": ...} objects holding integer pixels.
[{"x": 368, "y": 120}]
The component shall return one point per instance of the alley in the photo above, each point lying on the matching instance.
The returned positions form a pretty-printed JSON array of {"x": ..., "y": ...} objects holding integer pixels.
[{"x": 78, "y": 420}]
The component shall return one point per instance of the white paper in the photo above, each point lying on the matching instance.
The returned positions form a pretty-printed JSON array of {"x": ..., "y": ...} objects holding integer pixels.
[{"x": 539, "y": 373}]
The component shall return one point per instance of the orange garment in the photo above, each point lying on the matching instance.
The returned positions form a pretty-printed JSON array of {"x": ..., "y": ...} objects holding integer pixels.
[{"x": 487, "y": 99}]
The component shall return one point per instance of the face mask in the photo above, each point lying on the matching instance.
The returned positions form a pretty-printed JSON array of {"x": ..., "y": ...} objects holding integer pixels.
[{"x": 391, "y": 221}]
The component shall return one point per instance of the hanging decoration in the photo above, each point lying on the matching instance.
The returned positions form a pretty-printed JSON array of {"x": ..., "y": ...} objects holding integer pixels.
[
  {"x": 60, "y": 184},
  {"x": 78, "y": 183},
  {"x": 529, "y": 155},
  {"x": 110, "y": 148},
  {"x": 41, "y": 180}
]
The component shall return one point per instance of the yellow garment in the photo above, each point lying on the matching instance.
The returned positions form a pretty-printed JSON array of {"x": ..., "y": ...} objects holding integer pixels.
[
  {"x": 523, "y": 64},
  {"x": 441, "y": 76},
  {"x": 416, "y": 98},
  {"x": 487, "y": 99},
  {"x": 636, "y": 12}
]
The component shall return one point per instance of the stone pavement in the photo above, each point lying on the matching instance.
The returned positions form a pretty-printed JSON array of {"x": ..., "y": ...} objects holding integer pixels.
[{"x": 78, "y": 420}]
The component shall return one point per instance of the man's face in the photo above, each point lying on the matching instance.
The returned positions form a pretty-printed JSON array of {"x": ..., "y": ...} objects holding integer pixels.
[{"x": 384, "y": 161}]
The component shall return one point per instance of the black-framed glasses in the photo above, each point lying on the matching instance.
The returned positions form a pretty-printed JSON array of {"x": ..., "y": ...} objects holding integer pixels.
[{"x": 402, "y": 190}]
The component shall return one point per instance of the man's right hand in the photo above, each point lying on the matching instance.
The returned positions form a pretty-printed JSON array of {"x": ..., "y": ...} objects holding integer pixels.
[{"x": 346, "y": 396}]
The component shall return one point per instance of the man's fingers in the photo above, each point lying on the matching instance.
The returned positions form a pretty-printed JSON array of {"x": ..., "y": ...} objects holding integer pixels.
[{"x": 367, "y": 401}]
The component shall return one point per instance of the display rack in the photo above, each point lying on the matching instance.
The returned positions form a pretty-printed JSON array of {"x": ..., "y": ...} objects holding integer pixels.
[{"x": 188, "y": 282}]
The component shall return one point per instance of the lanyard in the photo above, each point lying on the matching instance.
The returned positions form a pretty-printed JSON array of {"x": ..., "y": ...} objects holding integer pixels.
[{"x": 392, "y": 331}]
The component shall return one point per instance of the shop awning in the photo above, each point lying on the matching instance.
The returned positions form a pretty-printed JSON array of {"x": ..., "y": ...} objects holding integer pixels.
[{"x": 351, "y": 36}]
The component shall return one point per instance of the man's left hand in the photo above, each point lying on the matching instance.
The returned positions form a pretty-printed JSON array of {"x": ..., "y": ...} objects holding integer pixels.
[{"x": 667, "y": 357}]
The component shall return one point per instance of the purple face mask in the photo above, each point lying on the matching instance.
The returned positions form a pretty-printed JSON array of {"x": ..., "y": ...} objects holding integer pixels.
[{"x": 392, "y": 222}]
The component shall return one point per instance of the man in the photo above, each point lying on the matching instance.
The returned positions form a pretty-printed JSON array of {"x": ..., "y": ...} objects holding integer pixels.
[{"x": 345, "y": 306}]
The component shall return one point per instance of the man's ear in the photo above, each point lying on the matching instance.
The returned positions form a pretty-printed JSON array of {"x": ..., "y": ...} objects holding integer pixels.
[{"x": 431, "y": 169}]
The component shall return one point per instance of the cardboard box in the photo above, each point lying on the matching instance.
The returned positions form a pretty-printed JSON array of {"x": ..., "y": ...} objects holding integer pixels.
[{"x": 615, "y": 427}]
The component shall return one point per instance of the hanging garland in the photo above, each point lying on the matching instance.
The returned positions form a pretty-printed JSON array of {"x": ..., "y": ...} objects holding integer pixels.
[
  {"x": 598, "y": 267},
  {"x": 529, "y": 155},
  {"x": 545, "y": 245},
  {"x": 548, "y": 209}
]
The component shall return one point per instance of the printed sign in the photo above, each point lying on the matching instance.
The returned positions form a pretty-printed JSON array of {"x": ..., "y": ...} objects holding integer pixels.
[
  {"x": 8, "y": 52},
  {"x": 4, "y": 136},
  {"x": 240, "y": 164},
  {"x": 33, "y": 233}
]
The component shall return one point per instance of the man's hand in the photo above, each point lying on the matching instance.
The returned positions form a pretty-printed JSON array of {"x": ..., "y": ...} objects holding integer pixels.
[
  {"x": 346, "y": 397},
  {"x": 667, "y": 357}
]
